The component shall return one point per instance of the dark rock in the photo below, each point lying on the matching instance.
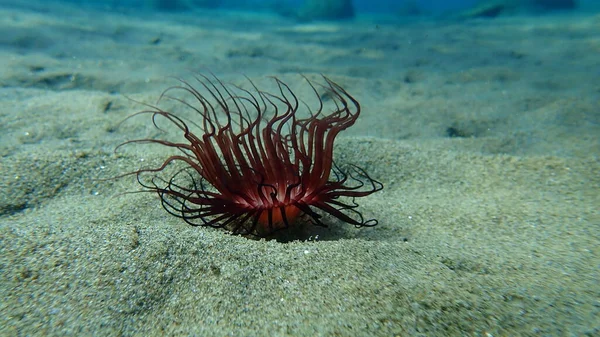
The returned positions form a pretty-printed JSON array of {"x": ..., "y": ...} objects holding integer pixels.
[
  {"x": 494, "y": 8},
  {"x": 182, "y": 5},
  {"x": 326, "y": 9}
]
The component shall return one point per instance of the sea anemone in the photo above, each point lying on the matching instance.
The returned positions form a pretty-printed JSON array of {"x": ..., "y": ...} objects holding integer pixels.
[{"x": 254, "y": 162}]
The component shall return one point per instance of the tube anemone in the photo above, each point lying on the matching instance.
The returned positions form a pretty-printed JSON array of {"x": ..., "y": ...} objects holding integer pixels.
[{"x": 255, "y": 162}]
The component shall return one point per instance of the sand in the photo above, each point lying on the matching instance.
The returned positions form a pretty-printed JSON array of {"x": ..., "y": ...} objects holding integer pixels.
[{"x": 484, "y": 133}]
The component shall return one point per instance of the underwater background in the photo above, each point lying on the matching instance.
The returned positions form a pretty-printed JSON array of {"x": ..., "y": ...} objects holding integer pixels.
[
  {"x": 361, "y": 6},
  {"x": 481, "y": 119}
]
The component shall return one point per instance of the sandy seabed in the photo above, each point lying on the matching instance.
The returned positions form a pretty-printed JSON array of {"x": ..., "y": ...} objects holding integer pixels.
[{"x": 486, "y": 135}]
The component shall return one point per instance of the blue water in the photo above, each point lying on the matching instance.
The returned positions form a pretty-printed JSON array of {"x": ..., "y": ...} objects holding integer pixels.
[{"x": 361, "y": 6}]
